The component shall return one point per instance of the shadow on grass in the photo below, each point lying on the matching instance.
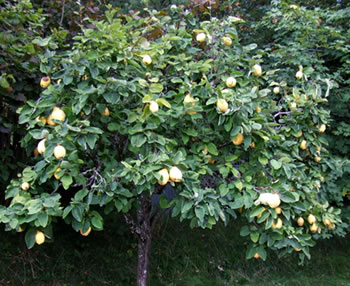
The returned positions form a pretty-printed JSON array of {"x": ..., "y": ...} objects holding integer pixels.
[{"x": 180, "y": 256}]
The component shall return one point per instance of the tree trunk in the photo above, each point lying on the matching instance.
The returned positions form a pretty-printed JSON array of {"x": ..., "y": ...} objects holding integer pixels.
[
  {"x": 144, "y": 247},
  {"x": 144, "y": 231},
  {"x": 142, "y": 227}
]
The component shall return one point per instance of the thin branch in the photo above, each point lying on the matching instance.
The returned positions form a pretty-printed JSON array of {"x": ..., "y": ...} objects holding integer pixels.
[
  {"x": 62, "y": 14},
  {"x": 281, "y": 113}
]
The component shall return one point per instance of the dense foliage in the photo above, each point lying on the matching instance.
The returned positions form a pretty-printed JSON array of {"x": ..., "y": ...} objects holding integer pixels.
[{"x": 127, "y": 97}]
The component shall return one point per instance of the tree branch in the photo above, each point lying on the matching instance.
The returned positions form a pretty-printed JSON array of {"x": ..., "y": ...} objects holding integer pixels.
[{"x": 62, "y": 14}]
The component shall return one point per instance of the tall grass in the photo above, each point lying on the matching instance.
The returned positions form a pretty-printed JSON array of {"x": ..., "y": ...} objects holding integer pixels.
[{"x": 180, "y": 256}]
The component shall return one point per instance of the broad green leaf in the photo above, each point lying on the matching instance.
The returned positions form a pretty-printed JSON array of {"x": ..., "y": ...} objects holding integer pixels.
[
  {"x": 66, "y": 181},
  {"x": 276, "y": 164},
  {"x": 156, "y": 88},
  {"x": 30, "y": 238},
  {"x": 254, "y": 236},
  {"x": 163, "y": 102},
  {"x": 212, "y": 149}
]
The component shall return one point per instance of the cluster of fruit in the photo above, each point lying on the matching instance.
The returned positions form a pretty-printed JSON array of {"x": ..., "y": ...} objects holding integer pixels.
[{"x": 173, "y": 175}]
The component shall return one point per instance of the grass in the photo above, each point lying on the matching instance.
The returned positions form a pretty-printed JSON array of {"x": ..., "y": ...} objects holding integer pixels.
[{"x": 180, "y": 256}]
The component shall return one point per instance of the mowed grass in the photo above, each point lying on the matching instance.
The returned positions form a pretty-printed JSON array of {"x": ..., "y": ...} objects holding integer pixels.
[{"x": 180, "y": 256}]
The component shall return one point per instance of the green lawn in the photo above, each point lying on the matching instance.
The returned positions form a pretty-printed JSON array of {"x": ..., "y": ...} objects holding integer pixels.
[{"x": 181, "y": 256}]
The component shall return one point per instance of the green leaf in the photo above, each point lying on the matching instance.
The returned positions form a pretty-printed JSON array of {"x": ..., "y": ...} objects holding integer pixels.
[
  {"x": 254, "y": 236},
  {"x": 93, "y": 130},
  {"x": 42, "y": 42},
  {"x": 163, "y": 202},
  {"x": 43, "y": 219},
  {"x": 143, "y": 82},
  {"x": 66, "y": 211},
  {"x": 94, "y": 72},
  {"x": 163, "y": 102},
  {"x": 4, "y": 83},
  {"x": 256, "y": 126},
  {"x": 187, "y": 206},
  {"x": 276, "y": 164},
  {"x": 111, "y": 97},
  {"x": 212, "y": 149},
  {"x": 244, "y": 231},
  {"x": 66, "y": 181},
  {"x": 91, "y": 140},
  {"x": 156, "y": 88},
  {"x": 263, "y": 160},
  {"x": 113, "y": 126},
  {"x": 257, "y": 211},
  {"x": 97, "y": 222},
  {"x": 239, "y": 185},
  {"x": 81, "y": 194},
  {"x": 67, "y": 79},
  {"x": 289, "y": 197},
  {"x": 138, "y": 140},
  {"x": 200, "y": 212},
  {"x": 30, "y": 238},
  {"x": 262, "y": 252},
  {"x": 211, "y": 100},
  {"x": 147, "y": 98},
  {"x": 223, "y": 190},
  {"x": 77, "y": 213},
  {"x": 34, "y": 206}
]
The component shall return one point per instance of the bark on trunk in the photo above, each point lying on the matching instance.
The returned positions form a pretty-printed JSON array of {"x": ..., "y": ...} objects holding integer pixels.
[
  {"x": 144, "y": 247},
  {"x": 142, "y": 226}
]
